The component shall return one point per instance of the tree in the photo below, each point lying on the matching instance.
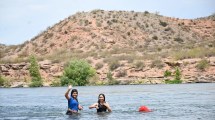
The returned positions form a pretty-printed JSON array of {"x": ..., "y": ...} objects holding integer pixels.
[
  {"x": 34, "y": 73},
  {"x": 1, "y": 81},
  {"x": 177, "y": 77},
  {"x": 111, "y": 80},
  {"x": 177, "y": 74},
  {"x": 77, "y": 72}
]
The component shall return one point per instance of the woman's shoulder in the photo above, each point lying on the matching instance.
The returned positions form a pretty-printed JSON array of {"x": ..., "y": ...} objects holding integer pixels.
[{"x": 96, "y": 103}]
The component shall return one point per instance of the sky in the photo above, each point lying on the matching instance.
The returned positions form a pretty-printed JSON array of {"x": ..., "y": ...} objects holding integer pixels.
[{"x": 21, "y": 20}]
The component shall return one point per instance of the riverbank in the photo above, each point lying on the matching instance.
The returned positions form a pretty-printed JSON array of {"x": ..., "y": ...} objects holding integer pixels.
[
  {"x": 191, "y": 71},
  {"x": 122, "y": 82}
]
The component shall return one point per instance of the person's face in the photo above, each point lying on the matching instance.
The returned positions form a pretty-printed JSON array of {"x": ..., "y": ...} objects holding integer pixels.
[
  {"x": 74, "y": 94},
  {"x": 101, "y": 98}
]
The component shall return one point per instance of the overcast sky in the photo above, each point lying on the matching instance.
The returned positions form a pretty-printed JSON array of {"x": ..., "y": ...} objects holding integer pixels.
[{"x": 20, "y": 20}]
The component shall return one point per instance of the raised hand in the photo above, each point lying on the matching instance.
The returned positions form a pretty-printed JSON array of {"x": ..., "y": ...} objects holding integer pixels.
[{"x": 70, "y": 87}]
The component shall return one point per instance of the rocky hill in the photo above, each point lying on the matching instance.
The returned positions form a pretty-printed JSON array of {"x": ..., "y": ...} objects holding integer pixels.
[{"x": 134, "y": 46}]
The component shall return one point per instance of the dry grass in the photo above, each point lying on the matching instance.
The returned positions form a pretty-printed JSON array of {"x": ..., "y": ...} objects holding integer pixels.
[
  {"x": 198, "y": 52},
  {"x": 157, "y": 63},
  {"x": 99, "y": 65}
]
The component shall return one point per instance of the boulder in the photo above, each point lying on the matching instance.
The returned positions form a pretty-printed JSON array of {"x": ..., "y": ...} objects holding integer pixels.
[
  {"x": 26, "y": 67},
  {"x": 15, "y": 66},
  {"x": 4, "y": 69},
  {"x": 46, "y": 64},
  {"x": 173, "y": 64},
  {"x": 54, "y": 69},
  {"x": 17, "y": 84}
]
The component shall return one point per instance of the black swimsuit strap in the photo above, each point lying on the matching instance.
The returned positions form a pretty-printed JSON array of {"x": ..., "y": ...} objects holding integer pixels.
[{"x": 102, "y": 108}]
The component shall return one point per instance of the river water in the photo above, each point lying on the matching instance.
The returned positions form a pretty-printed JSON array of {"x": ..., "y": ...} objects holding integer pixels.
[{"x": 167, "y": 102}]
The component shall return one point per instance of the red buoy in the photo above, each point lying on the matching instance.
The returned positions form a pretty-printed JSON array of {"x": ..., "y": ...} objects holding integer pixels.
[{"x": 144, "y": 109}]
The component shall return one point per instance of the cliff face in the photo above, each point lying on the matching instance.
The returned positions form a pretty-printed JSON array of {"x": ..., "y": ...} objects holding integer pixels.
[
  {"x": 142, "y": 45},
  {"x": 19, "y": 73}
]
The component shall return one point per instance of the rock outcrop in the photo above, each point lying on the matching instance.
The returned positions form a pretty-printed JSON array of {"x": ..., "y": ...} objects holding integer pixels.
[{"x": 20, "y": 77}]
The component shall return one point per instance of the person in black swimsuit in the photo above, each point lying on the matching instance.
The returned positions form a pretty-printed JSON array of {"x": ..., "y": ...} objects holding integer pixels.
[{"x": 101, "y": 105}]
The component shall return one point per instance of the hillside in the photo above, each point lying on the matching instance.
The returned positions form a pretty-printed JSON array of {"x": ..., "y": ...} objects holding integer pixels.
[{"x": 133, "y": 45}]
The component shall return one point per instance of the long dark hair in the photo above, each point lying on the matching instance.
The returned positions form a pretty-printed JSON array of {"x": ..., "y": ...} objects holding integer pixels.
[
  {"x": 103, "y": 96},
  {"x": 74, "y": 90}
]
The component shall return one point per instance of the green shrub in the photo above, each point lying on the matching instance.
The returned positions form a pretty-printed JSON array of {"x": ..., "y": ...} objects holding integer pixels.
[
  {"x": 2, "y": 80},
  {"x": 96, "y": 81},
  {"x": 121, "y": 73},
  {"x": 139, "y": 65},
  {"x": 56, "y": 83},
  {"x": 7, "y": 82},
  {"x": 157, "y": 63},
  {"x": 77, "y": 72},
  {"x": 114, "y": 20},
  {"x": 98, "y": 66},
  {"x": 177, "y": 77},
  {"x": 173, "y": 81},
  {"x": 147, "y": 25},
  {"x": 177, "y": 74},
  {"x": 66, "y": 81},
  {"x": 114, "y": 65},
  {"x": 98, "y": 24},
  {"x": 167, "y": 73},
  {"x": 109, "y": 23},
  {"x": 36, "y": 84},
  {"x": 203, "y": 64},
  {"x": 146, "y": 12},
  {"x": 155, "y": 37},
  {"x": 164, "y": 24},
  {"x": 178, "y": 39},
  {"x": 111, "y": 80},
  {"x": 34, "y": 73},
  {"x": 86, "y": 22},
  {"x": 73, "y": 38},
  {"x": 168, "y": 29}
]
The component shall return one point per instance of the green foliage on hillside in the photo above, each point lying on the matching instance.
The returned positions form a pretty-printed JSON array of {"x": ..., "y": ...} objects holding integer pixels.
[
  {"x": 167, "y": 73},
  {"x": 4, "y": 82},
  {"x": 139, "y": 65},
  {"x": 177, "y": 77},
  {"x": 111, "y": 80},
  {"x": 1, "y": 81},
  {"x": 36, "y": 79},
  {"x": 77, "y": 72},
  {"x": 203, "y": 64}
]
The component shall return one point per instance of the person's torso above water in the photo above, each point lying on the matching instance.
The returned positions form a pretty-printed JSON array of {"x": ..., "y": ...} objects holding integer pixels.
[
  {"x": 73, "y": 104},
  {"x": 102, "y": 108}
]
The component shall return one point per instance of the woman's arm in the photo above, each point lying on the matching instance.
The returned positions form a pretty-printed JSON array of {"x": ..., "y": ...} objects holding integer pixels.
[
  {"x": 80, "y": 107},
  {"x": 108, "y": 107},
  {"x": 67, "y": 92},
  {"x": 95, "y": 105},
  {"x": 73, "y": 111}
]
